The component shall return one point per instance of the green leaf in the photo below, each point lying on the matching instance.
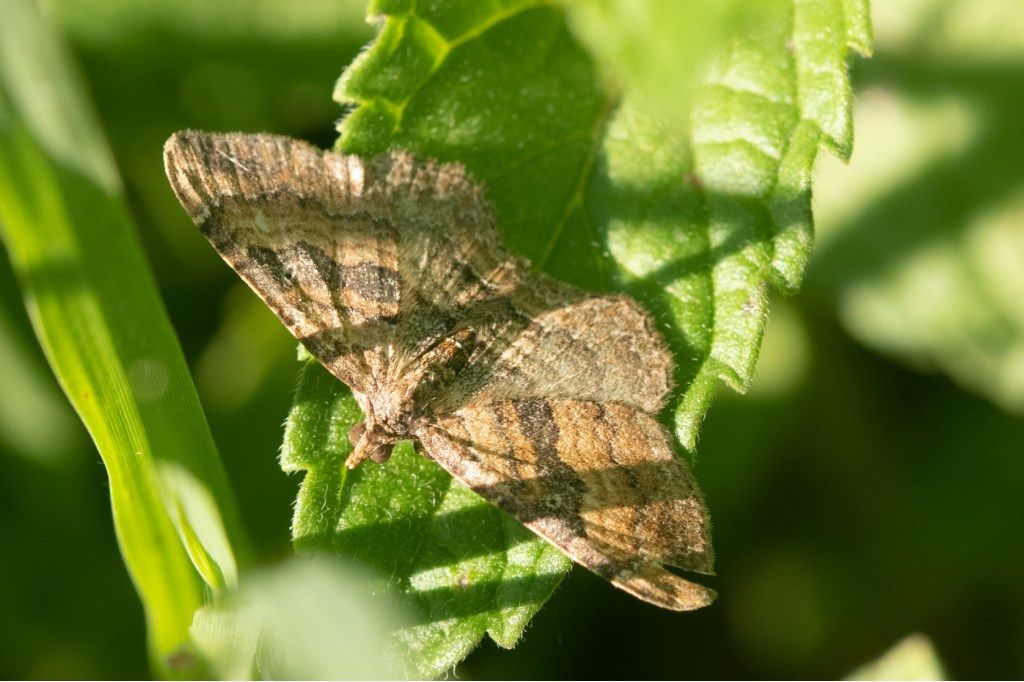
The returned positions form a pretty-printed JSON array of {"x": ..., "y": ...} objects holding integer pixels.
[
  {"x": 701, "y": 253},
  {"x": 926, "y": 239},
  {"x": 306, "y": 618},
  {"x": 655, "y": 49},
  {"x": 692, "y": 218},
  {"x": 471, "y": 569},
  {"x": 100, "y": 320},
  {"x": 912, "y": 658}
]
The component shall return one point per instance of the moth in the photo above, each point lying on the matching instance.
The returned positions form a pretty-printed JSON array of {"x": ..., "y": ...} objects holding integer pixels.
[{"x": 537, "y": 395}]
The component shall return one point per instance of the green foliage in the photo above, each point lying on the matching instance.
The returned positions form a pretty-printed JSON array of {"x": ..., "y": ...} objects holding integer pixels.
[
  {"x": 694, "y": 215},
  {"x": 34, "y": 420},
  {"x": 591, "y": 191},
  {"x": 854, "y": 499},
  {"x": 469, "y": 567},
  {"x": 303, "y": 619},
  {"x": 71, "y": 241},
  {"x": 656, "y": 49},
  {"x": 237, "y": 65},
  {"x": 925, "y": 241},
  {"x": 250, "y": 20}
]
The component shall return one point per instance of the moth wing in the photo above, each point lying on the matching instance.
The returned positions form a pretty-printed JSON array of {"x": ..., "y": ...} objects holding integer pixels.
[
  {"x": 357, "y": 255},
  {"x": 599, "y": 481},
  {"x": 348, "y": 253},
  {"x": 289, "y": 220},
  {"x": 550, "y": 340}
]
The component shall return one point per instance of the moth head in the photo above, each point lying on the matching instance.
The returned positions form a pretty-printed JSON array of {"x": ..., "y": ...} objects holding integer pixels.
[{"x": 372, "y": 443}]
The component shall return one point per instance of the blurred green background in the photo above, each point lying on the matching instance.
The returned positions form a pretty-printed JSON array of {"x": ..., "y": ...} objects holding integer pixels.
[{"x": 868, "y": 487}]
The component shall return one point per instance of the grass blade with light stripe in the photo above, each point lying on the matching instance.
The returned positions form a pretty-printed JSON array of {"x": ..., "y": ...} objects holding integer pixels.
[{"x": 99, "y": 318}]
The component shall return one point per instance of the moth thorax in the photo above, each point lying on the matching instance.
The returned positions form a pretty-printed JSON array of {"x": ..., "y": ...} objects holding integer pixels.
[{"x": 390, "y": 412}]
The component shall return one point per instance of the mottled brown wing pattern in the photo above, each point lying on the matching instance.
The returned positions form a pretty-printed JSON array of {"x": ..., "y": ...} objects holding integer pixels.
[
  {"x": 353, "y": 256},
  {"x": 553, "y": 341},
  {"x": 293, "y": 228},
  {"x": 599, "y": 480},
  {"x": 535, "y": 394}
]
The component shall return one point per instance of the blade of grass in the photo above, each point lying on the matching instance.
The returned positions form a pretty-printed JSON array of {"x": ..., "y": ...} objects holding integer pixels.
[{"x": 99, "y": 318}]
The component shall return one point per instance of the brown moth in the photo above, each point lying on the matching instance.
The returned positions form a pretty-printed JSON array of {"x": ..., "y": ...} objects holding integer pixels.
[{"x": 538, "y": 396}]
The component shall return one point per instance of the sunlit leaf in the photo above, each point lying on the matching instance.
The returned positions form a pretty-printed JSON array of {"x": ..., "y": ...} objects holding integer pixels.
[
  {"x": 655, "y": 49},
  {"x": 601, "y": 190}
]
